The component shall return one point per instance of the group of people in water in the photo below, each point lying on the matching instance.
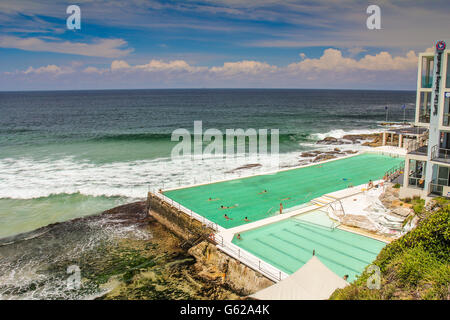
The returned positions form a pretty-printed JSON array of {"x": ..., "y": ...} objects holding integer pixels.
[{"x": 234, "y": 206}]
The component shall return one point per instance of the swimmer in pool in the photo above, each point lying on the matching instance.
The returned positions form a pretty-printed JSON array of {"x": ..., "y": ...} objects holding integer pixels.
[
  {"x": 238, "y": 236},
  {"x": 227, "y": 217},
  {"x": 211, "y": 199},
  {"x": 265, "y": 191},
  {"x": 224, "y": 207},
  {"x": 246, "y": 219}
]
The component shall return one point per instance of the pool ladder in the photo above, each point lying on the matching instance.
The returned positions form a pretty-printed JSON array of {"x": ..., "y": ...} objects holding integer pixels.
[{"x": 331, "y": 202}]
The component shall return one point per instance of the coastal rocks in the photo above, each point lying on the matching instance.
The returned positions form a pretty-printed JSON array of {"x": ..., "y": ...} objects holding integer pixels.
[
  {"x": 358, "y": 221},
  {"x": 309, "y": 154},
  {"x": 319, "y": 155},
  {"x": 323, "y": 157},
  {"x": 402, "y": 212},
  {"x": 247, "y": 166},
  {"x": 331, "y": 140},
  {"x": 375, "y": 140},
  {"x": 213, "y": 265},
  {"x": 397, "y": 208}
]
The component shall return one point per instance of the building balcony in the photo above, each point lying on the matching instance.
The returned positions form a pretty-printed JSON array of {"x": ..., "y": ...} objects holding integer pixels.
[
  {"x": 416, "y": 182},
  {"x": 439, "y": 190},
  {"x": 417, "y": 148},
  {"x": 440, "y": 155}
]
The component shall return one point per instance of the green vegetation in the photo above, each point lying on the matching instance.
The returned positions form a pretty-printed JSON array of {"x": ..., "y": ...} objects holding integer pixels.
[
  {"x": 415, "y": 266},
  {"x": 396, "y": 186}
]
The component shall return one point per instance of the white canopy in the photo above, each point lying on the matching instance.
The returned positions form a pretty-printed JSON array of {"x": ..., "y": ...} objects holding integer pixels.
[{"x": 313, "y": 281}]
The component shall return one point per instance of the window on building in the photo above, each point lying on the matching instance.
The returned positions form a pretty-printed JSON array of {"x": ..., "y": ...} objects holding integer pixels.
[
  {"x": 446, "y": 119},
  {"x": 443, "y": 176},
  {"x": 417, "y": 173},
  {"x": 425, "y": 107},
  {"x": 448, "y": 72},
  {"x": 427, "y": 72}
]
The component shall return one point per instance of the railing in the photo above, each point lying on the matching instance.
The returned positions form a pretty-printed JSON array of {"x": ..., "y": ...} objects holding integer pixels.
[
  {"x": 395, "y": 171},
  {"x": 436, "y": 189},
  {"x": 189, "y": 212},
  {"x": 440, "y": 153},
  {"x": 414, "y": 145},
  {"x": 249, "y": 259},
  {"x": 417, "y": 182}
]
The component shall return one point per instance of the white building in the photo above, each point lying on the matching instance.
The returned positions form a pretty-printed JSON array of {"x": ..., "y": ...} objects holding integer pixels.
[{"x": 427, "y": 166}]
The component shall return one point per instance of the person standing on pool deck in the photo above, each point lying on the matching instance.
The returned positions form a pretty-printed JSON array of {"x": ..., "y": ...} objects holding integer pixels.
[{"x": 281, "y": 207}]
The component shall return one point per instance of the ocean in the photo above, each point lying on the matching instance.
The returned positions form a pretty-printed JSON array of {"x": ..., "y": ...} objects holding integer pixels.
[{"x": 72, "y": 154}]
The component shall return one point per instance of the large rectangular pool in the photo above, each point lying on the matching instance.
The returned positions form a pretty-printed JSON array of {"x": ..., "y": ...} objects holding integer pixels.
[
  {"x": 289, "y": 244},
  {"x": 245, "y": 197}
]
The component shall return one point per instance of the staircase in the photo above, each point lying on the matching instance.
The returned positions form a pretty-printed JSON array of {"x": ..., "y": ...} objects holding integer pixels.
[{"x": 323, "y": 200}]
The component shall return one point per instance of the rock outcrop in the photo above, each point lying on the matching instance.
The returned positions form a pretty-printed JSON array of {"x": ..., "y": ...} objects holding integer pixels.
[{"x": 214, "y": 265}]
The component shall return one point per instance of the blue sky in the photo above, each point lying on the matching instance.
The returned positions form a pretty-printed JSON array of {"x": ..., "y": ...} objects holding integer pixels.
[{"x": 220, "y": 43}]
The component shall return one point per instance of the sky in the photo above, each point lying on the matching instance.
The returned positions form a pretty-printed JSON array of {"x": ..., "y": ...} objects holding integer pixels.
[{"x": 138, "y": 44}]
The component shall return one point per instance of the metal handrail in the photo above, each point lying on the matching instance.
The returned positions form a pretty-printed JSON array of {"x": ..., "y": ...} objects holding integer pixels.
[
  {"x": 249, "y": 259},
  {"x": 436, "y": 188},
  {"x": 394, "y": 172},
  {"x": 439, "y": 153},
  {"x": 416, "y": 182}
]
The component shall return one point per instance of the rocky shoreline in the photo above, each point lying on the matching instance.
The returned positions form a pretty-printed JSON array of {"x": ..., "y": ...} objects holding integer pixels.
[{"x": 369, "y": 140}]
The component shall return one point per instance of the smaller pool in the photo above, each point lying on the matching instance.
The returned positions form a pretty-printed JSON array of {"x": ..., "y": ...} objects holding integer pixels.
[{"x": 289, "y": 244}]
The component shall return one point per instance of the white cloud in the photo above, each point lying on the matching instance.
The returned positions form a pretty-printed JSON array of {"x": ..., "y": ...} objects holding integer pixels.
[
  {"x": 331, "y": 70},
  {"x": 243, "y": 67},
  {"x": 50, "y": 69},
  {"x": 119, "y": 64},
  {"x": 156, "y": 66},
  {"x": 107, "y": 48},
  {"x": 332, "y": 60}
]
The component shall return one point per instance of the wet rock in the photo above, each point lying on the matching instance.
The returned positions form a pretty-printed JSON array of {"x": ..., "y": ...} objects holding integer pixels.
[
  {"x": 213, "y": 264},
  {"x": 328, "y": 140},
  {"x": 247, "y": 166},
  {"x": 308, "y": 154},
  {"x": 324, "y": 157}
]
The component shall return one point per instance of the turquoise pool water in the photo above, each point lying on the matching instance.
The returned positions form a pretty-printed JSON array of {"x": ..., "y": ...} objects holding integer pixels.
[
  {"x": 289, "y": 244},
  {"x": 245, "y": 196}
]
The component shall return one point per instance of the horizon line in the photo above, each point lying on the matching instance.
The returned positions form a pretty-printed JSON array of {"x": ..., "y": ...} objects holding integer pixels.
[{"x": 187, "y": 88}]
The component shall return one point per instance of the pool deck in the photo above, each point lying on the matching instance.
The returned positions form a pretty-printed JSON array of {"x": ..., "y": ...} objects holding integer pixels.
[{"x": 223, "y": 237}]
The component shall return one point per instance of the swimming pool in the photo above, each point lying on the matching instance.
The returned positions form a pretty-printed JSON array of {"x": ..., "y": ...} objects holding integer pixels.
[
  {"x": 289, "y": 244},
  {"x": 246, "y": 196}
]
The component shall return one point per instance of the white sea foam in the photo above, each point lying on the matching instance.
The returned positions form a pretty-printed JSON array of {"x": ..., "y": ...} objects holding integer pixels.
[
  {"x": 26, "y": 179},
  {"x": 339, "y": 133}
]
